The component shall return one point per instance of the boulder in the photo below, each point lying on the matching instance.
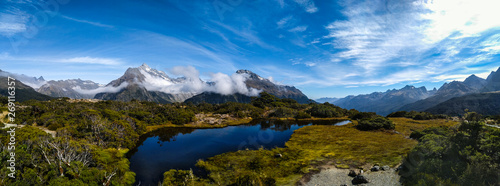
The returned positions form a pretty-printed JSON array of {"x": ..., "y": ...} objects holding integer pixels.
[
  {"x": 359, "y": 179},
  {"x": 352, "y": 173},
  {"x": 375, "y": 168},
  {"x": 385, "y": 168}
]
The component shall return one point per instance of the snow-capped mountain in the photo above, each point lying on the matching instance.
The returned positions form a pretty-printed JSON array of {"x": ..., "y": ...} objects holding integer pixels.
[
  {"x": 148, "y": 84},
  {"x": 33, "y": 82},
  {"x": 71, "y": 88},
  {"x": 266, "y": 85}
]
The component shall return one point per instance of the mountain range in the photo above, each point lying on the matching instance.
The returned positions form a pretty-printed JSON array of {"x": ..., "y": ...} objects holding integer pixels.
[
  {"x": 147, "y": 84},
  {"x": 419, "y": 99}
]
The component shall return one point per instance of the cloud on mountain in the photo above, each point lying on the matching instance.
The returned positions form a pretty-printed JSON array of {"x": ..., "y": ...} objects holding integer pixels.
[
  {"x": 190, "y": 82},
  {"x": 108, "y": 89}
]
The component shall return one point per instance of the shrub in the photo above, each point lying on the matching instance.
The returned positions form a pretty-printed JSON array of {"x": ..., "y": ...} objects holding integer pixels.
[
  {"x": 375, "y": 124},
  {"x": 283, "y": 112},
  {"x": 302, "y": 115},
  {"x": 364, "y": 115}
]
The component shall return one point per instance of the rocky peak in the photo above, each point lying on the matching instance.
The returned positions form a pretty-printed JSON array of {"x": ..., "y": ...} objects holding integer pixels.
[
  {"x": 475, "y": 82},
  {"x": 252, "y": 75}
]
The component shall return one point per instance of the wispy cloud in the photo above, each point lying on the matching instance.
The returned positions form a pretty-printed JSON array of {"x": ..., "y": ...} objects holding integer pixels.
[
  {"x": 386, "y": 43},
  {"x": 87, "y": 22},
  {"x": 308, "y": 5},
  {"x": 12, "y": 23},
  {"x": 248, "y": 35},
  {"x": 70, "y": 60},
  {"x": 91, "y": 60},
  {"x": 298, "y": 29},
  {"x": 282, "y": 22}
]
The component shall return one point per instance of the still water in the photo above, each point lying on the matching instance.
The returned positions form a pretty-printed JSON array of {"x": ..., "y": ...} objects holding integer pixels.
[{"x": 181, "y": 148}]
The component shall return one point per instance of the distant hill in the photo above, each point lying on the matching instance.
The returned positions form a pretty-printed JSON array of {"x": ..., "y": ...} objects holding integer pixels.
[
  {"x": 329, "y": 100},
  {"x": 483, "y": 103},
  {"x": 384, "y": 103},
  {"x": 447, "y": 91},
  {"x": 23, "y": 92},
  {"x": 395, "y": 100}
]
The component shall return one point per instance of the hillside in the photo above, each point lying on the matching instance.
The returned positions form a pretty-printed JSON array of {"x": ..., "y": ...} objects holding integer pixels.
[
  {"x": 23, "y": 92},
  {"x": 384, "y": 103},
  {"x": 214, "y": 98},
  {"x": 483, "y": 103}
]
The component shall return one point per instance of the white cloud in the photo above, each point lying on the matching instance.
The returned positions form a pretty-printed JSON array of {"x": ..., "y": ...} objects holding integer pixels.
[
  {"x": 308, "y": 5},
  {"x": 11, "y": 24},
  {"x": 384, "y": 43},
  {"x": 282, "y": 22},
  {"x": 91, "y": 60},
  {"x": 298, "y": 29},
  {"x": 248, "y": 35},
  {"x": 191, "y": 83},
  {"x": 281, "y": 3},
  {"x": 107, "y": 89}
]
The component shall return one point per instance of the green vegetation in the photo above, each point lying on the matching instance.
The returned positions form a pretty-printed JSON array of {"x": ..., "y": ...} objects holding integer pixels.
[
  {"x": 416, "y": 115},
  {"x": 467, "y": 155},
  {"x": 375, "y": 124}
]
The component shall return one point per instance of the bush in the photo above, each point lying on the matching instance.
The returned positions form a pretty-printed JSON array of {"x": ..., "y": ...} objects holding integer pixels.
[
  {"x": 325, "y": 110},
  {"x": 364, "y": 115},
  {"x": 302, "y": 115},
  {"x": 375, "y": 124},
  {"x": 283, "y": 112}
]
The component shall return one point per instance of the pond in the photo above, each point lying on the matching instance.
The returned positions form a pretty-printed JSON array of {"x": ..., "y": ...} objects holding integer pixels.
[{"x": 181, "y": 148}]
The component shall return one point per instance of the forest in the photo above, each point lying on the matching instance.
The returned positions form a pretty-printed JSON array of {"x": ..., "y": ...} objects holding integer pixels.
[{"x": 81, "y": 142}]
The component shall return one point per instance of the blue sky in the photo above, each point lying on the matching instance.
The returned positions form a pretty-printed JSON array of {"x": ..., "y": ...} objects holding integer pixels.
[{"x": 325, "y": 48}]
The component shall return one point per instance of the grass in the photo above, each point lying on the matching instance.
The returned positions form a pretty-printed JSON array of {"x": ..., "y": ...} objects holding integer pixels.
[
  {"x": 406, "y": 126},
  {"x": 350, "y": 146}
]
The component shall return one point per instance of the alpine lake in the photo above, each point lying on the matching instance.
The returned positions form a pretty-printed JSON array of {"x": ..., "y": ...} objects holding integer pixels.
[{"x": 180, "y": 148}]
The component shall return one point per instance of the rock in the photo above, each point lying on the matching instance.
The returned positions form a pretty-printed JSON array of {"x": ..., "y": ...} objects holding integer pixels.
[
  {"x": 278, "y": 155},
  {"x": 343, "y": 185},
  {"x": 352, "y": 173},
  {"x": 375, "y": 168},
  {"x": 359, "y": 179},
  {"x": 385, "y": 168}
]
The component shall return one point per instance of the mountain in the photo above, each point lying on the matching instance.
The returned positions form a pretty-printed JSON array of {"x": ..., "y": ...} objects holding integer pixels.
[
  {"x": 146, "y": 84},
  {"x": 472, "y": 84},
  {"x": 326, "y": 99},
  {"x": 384, "y": 103},
  {"x": 280, "y": 91},
  {"x": 23, "y": 92},
  {"x": 492, "y": 82},
  {"x": 71, "y": 88},
  {"x": 475, "y": 82},
  {"x": 27, "y": 80},
  {"x": 214, "y": 98},
  {"x": 482, "y": 103}
]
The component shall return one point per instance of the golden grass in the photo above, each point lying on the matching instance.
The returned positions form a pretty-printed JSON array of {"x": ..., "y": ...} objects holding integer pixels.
[
  {"x": 347, "y": 145},
  {"x": 350, "y": 146},
  {"x": 406, "y": 126},
  {"x": 234, "y": 122}
]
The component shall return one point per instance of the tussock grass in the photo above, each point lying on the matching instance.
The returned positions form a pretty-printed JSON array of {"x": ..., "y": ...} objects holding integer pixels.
[
  {"x": 349, "y": 145},
  {"x": 406, "y": 126}
]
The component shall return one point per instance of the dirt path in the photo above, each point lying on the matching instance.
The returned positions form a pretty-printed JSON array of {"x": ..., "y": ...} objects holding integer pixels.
[{"x": 335, "y": 176}]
